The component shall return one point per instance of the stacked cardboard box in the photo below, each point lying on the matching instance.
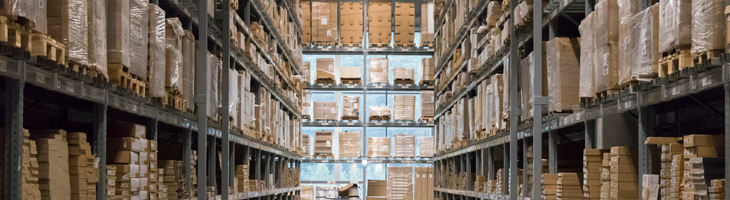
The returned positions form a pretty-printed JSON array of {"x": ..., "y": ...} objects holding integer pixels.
[
  {"x": 499, "y": 187},
  {"x": 698, "y": 146},
  {"x": 717, "y": 189},
  {"x": 624, "y": 180},
  {"x": 307, "y": 192},
  {"x": 401, "y": 73},
  {"x": 405, "y": 26},
  {"x": 53, "y": 169},
  {"x": 242, "y": 174},
  {"x": 605, "y": 35},
  {"x": 563, "y": 73},
  {"x": 324, "y": 21},
  {"x": 326, "y": 68},
  {"x": 426, "y": 147},
  {"x": 423, "y": 183},
  {"x": 174, "y": 178},
  {"x": 550, "y": 186},
  {"x": 325, "y": 111},
  {"x": 306, "y": 17},
  {"x": 428, "y": 103},
  {"x": 380, "y": 112},
  {"x": 530, "y": 170},
  {"x": 350, "y": 73},
  {"x": 650, "y": 187},
  {"x": 378, "y": 67},
  {"x": 703, "y": 170},
  {"x": 606, "y": 176},
  {"x": 668, "y": 172},
  {"x": 153, "y": 167},
  {"x": 405, "y": 146},
  {"x": 156, "y": 62},
  {"x": 379, "y": 16},
  {"x": 31, "y": 165},
  {"x": 323, "y": 142},
  {"x": 569, "y": 187},
  {"x": 675, "y": 189},
  {"x": 111, "y": 179},
  {"x": 592, "y": 166},
  {"x": 350, "y": 107},
  {"x": 427, "y": 23},
  {"x": 126, "y": 149},
  {"x": 378, "y": 147},
  {"x": 400, "y": 181},
  {"x": 305, "y": 145},
  {"x": 350, "y": 144},
  {"x": 377, "y": 189},
  {"x": 351, "y": 23},
  {"x": 427, "y": 67},
  {"x": 479, "y": 182},
  {"x": 405, "y": 107},
  {"x": 83, "y": 168}
]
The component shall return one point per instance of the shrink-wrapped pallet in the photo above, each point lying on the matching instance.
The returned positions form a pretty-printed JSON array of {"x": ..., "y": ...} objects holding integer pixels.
[
  {"x": 212, "y": 85},
  {"x": 138, "y": 25},
  {"x": 426, "y": 147},
  {"x": 675, "y": 24},
  {"x": 117, "y": 28},
  {"x": 378, "y": 147},
  {"x": 325, "y": 68},
  {"x": 497, "y": 102},
  {"x": 351, "y": 106},
  {"x": 325, "y": 111},
  {"x": 563, "y": 72},
  {"x": 380, "y": 111},
  {"x": 404, "y": 107},
  {"x": 97, "y": 36},
  {"x": 402, "y": 73},
  {"x": 233, "y": 90},
  {"x": 157, "y": 53},
  {"x": 527, "y": 66},
  {"x": 626, "y": 11},
  {"x": 323, "y": 142},
  {"x": 350, "y": 72},
  {"x": 324, "y": 21},
  {"x": 173, "y": 69},
  {"x": 378, "y": 70},
  {"x": 404, "y": 146},
  {"x": 506, "y": 88},
  {"x": 644, "y": 46},
  {"x": 494, "y": 11},
  {"x": 173, "y": 32},
  {"x": 22, "y": 8},
  {"x": 587, "y": 52},
  {"x": 68, "y": 23},
  {"x": 606, "y": 46},
  {"x": 427, "y": 103},
  {"x": 427, "y": 69},
  {"x": 190, "y": 53},
  {"x": 400, "y": 183},
  {"x": 708, "y": 25},
  {"x": 350, "y": 144}
]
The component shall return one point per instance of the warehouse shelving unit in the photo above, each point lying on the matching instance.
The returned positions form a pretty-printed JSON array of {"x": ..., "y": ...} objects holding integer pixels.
[
  {"x": 655, "y": 109},
  {"x": 38, "y": 98},
  {"x": 369, "y": 88}
]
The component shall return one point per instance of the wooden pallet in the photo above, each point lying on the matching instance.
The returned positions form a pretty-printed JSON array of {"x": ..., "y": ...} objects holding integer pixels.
[
  {"x": 324, "y": 44},
  {"x": 48, "y": 48},
  {"x": 606, "y": 93},
  {"x": 351, "y": 44},
  {"x": 15, "y": 38},
  {"x": 350, "y": 118},
  {"x": 120, "y": 75},
  {"x": 306, "y": 117},
  {"x": 401, "y": 45},
  {"x": 379, "y": 118},
  {"x": 352, "y": 81},
  {"x": 322, "y": 155},
  {"x": 702, "y": 57},
  {"x": 88, "y": 74},
  {"x": 426, "y": 82},
  {"x": 403, "y": 81},
  {"x": 630, "y": 85},
  {"x": 673, "y": 61},
  {"x": 173, "y": 100},
  {"x": 526, "y": 121},
  {"x": 425, "y": 119},
  {"x": 324, "y": 81},
  {"x": 427, "y": 44},
  {"x": 379, "y": 44}
]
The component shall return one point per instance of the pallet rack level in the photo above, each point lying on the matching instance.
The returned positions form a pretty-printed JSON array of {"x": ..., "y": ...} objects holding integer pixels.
[
  {"x": 708, "y": 77},
  {"x": 419, "y": 51}
]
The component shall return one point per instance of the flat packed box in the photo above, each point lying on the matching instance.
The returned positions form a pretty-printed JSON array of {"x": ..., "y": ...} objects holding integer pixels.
[
  {"x": 325, "y": 68},
  {"x": 325, "y": 111},
  {"x": 323, "y": 142}
]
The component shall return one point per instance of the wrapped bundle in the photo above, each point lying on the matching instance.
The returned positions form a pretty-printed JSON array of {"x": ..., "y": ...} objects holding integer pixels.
[
  {"x": 606, "y": 46},
  {"x": 350, "y": 144},
  {"x": 117, "y": 28},
  {"x": 212, "y": 85},
  {"x": 378, "y": 147},
  {"x": 325, "y": 110},
  {"x": 403, "y": 73},
  {"x": 494, "y": 11},
  {"x": 138, "y": 25},
  {"x": 626, "y": 11},
  {"x": 506, "y": 89},
  {"x": 350, "y": 107},
  {"x": 405, "y": 146},
  {"x": 527, "y": 66},
  {"x": 378, "y": 70},
  {"x": 325, "y": 68},
  {"x": 675, "y": 24},
  {"x": 644, "y": 45},
  {"x": 426, "y": 147},
  {"x": 427, "y": 103},
  {"x": 67, "y": 23},
  {"x": 97, "y": 36},
  {"x": 157, "y": 52},
  {"x": 563, "y": 71},
  {"x": 497, "y": 102},
  {"x": 586, "y": 88},
  {"x": 427, "y": 69},
  {"x": 380, "y": 112},
  {"x": 350, "y": 72},
  {"x": 708, "y": 25},
  {"x": 190, "y": 54},
  {"x": 404, "y": 107}
]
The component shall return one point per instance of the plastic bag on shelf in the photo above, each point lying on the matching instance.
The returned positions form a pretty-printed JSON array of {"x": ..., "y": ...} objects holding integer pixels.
[{"x": 173, "y": 69}]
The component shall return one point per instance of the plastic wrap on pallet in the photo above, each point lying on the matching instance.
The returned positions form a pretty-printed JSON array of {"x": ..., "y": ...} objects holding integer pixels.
[
  {"x": 427, "y": 103},
  {"x": 426, "y": 147},
  {"x": 427, "y": 69},
  {"x": 404, "y": 146},
  {"x": 97, "y": 36},
  {"x": 350, "y": 144},
  {"x": 494, "y": 11},
  {"x": 157, "y": 53},
  {"x": 497, "y": 101},
  {"x": 138, "y": 25},
  {"x": 173, "y": 32},
  {"x": 404, "y": 107},
  {"x": 626, "y": 10},
  {"x": 378, "y": 70},
  {"x": 232, "y": 91},
  {"x": 212, "y": 82},
  {"x": 379, "y": 111},
  {"x": 68, "y": 24},
  {"x": 675, "y": 24},
  {"x": 351, "y": 72},
  {"x": 324, "y": 21},
  {"x": 403, "y": 73},
  {"x": 645, "y": 46},
  {"x": 189, "y": 62},
  {"x": 563, "y": 70},
  {"x": 325, "y": 68},
  {"x": 40, "y": 19},
  {"x": 525, "y": 92},
  {"x": 117, "y": 29},
  {"x": 607, "y": 27},
  {"x": 587, "y": 52},
  {"x": 400, "y": 183},
  {"x": 606, "y": 45},
  {"x": 378, "y": 147},
  {"x": 506, "y": 89},
  {"x": 21, "y": 8},
  {"x": 325, "y": 111},
  {"x": 350, "y": 106},
  {"x": 708, "y": 25},
  {"x": 173, "y": 70},
  {"x": 305, "y": 71},
  {"x": 528, "y": 94}
]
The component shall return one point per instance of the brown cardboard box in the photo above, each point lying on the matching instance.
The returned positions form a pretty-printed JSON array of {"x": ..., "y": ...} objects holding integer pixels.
[
  {"x": 404, "y": 107},
  {"x": 563, "y": 74},
  {"x": 404, "y": 146},
  {"x": 427, "y": 147},
  {"x": 350, "y": 144},
  {"x": 126, "y": 129},
  {"x": 379, "y": 21},
  {"x": 404, "y": 23},
  {"x": 323, "y": 142},
  {"x": 126, "y": 144},
  {"x": 427, "y": 103},
  {"x": 325, "y": 68},
  {"x": 403, "y": 73},
  {"x": 123, "y": 157},
  {"x": 427, "y": 68},
  {"x": 351, "y": 72},
  {"x": 324, "y": 21},
  {"x": 378, "y": 147},
  {"x": 377, "y": 188},
  {"x": 378, "y": 70},
  {"x": 325, "y": 110},
  {"x": 703, "y": 140},
  {"x": 351, "y": 23}
]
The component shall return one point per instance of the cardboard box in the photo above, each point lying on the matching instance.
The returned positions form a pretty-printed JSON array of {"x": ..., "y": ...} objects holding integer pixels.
[
  {"x": 126, "y": 129},
  {"x": 350, "y": 144},
  {"x": 123, "y": 157},
  {"x": 377, "y": 188},
  {"x": 326, "y": 68},
  {"x": 378, "y": 70},
  {"x": 427, "y": 67},
  {"x": 325, "y": 111},
  {"x": 378, "y": 147},
  {"x": 404, "y": 107},
  {"x": 323, "y": 142},
  {"x": 703, "y": 140},
  {"x": 426, "y": 147},
  {"x": 404, "y": 146}
]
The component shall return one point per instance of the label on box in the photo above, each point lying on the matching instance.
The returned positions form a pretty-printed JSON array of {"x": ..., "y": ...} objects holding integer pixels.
[
  {"x": 324, "y": 22},
  {"x": 328, "y": 144}
]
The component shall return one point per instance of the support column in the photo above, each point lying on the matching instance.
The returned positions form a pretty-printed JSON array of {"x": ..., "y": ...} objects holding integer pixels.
[
  {"x": 14, "y": 135},
  {"x": 505, "y": 168},
  {"x": 553, "y": 152},
  {"x": 539, "y": 101},
  {"x": 514, "y": 106},
  {"x": 100, "y": 147},
  {"x": 225, "y": 128},
  {"x": 200, "y": 97},
  {"x": 644, "y": 153},
  {"x": 590, "y": 133},
  {"x": 211, "y": 162},
  {"x": 187, "y": 161},
  {"x": 490, "y": 163}
]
